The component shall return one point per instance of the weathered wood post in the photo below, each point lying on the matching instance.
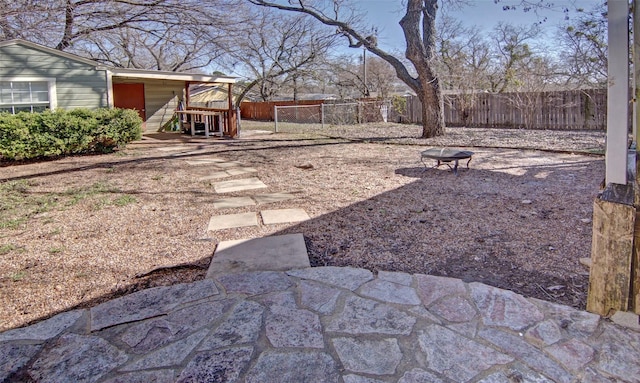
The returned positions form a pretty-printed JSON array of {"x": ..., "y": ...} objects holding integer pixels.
[{"x": 611, "y": 281}]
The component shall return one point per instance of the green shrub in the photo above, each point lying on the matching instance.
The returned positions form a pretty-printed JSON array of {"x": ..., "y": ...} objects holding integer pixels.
[{"x": 47, "y": 134}]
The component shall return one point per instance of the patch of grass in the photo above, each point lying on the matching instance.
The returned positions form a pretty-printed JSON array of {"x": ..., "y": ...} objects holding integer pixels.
[
  {"x": 56, "y": 250},
  {"x": 124, "y": 200},
  {"x": 15, "y": 277},
  {"x": 7, "y": 248},
  {"x": 101, "y": 203},
  {"x": 12, "y": 193},
  {"x": 12, "y": 223},
  {"x": 78, "y": 194}
]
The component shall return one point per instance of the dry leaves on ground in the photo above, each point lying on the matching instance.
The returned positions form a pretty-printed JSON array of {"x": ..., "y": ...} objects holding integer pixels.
[{"x": 80, "y": 230}]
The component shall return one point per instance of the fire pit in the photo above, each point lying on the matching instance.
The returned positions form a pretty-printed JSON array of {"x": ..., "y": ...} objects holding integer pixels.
[{"x": 444, "y": 156}]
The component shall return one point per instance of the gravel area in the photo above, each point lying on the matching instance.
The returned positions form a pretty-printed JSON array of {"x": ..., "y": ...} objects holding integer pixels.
[{"x": 81, "y": 230}]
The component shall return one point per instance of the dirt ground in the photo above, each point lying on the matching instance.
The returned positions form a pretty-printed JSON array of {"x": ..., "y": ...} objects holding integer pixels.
[{"x": 80, "y": 230}]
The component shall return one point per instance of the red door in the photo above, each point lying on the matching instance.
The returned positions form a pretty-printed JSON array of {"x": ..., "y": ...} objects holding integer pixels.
[{"x": 130, "y": 96}]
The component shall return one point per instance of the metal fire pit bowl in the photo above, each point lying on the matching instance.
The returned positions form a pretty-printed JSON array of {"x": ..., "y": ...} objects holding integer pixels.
[{"x": 444, "y": 156}]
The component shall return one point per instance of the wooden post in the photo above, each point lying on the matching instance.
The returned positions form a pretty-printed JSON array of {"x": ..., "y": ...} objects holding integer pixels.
[
  {"x": 186, "y": 94},
  {"x": 232, "y": 129},
  {"x": 611, "y": 252},
  {"x": 635, "y": 269}
]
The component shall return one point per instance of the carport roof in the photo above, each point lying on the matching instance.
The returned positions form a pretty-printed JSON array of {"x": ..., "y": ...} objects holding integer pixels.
[{"x": 175, "y": 76}]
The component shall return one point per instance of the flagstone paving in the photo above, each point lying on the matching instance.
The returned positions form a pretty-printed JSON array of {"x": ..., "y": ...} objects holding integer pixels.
[
  {"x": 281, "y": 252},
  {"x": 271, "y": 217},
  {"x": 238, "y": 185},
  {"x": 324, "y": 324}
]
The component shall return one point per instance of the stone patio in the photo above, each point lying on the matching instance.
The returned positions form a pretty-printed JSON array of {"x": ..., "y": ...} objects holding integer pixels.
[{"x": 324, "y": 324}]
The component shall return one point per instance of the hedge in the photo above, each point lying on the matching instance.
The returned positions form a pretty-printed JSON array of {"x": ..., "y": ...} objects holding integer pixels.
[{"x": 61, "y": 132}]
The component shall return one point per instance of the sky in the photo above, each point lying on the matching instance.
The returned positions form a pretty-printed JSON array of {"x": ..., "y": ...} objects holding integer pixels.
[{"x": 482, "y": 13}]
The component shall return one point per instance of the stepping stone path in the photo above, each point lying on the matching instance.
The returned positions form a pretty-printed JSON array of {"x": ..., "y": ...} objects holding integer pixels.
[
  {"x": 322, "y": 324},
  {"x": 270, "y": 253}
]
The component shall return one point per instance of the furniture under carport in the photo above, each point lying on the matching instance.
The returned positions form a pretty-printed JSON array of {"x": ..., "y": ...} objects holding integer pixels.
[{"x": 165, "y": 92}]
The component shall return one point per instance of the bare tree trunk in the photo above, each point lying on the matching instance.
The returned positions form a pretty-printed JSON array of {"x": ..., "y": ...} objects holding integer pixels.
[
  {"x": 432, "y": 113},
  {"x": 418, "y": 25},
  {"x": 420, "y": 51},
  {"x": 65, "y": 41}
]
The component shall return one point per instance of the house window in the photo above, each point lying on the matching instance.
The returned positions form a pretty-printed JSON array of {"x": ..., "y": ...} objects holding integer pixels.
[{"x": 27, "y": 95}]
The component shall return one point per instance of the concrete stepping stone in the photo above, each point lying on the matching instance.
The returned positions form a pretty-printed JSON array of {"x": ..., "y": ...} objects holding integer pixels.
[
  {"x": 240, "y": 171},
  {"x": 270, "y": 217},
  {"x": 238, "y": 185},
  {"x": 262, "y": 199},
  {"x": 205, "y": 161},
  {"x": 227, "y": 173},
  {"x": 214, "y": 176},
  {"x": 174, "y": 148},
  {"x": 232, "y": 202},
  {"x": 230, "y": 221},
  {"x": 228, "y": 164},
  {"x": 282, "y": 252}
]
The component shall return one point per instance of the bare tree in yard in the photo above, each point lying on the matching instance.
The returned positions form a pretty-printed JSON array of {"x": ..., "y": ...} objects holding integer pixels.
[
  {"x": 463, "y": 60},
  {"x": 150, "y": 34},
  {"x": 381, "y": 77},
  {"x": 513, "y": 51},
  {"x": 275, "y": 50},
  {"x": 584, "y": 43},
  {"x": 341, "y": 75},
  {"x": 418, "y": 25}
]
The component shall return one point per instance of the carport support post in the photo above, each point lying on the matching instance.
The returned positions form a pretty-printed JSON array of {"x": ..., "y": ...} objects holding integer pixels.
[
  {"x": 233, "y": 127},
  {"x": 618, "y": 92},
  {"x": 635, "y": 261},
  {"x": 275, "y": 118}
]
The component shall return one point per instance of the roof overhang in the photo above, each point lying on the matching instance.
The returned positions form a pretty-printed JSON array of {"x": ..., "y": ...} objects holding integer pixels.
[
  {"x": 52, "y": 51},
  {"x": 171, "y": 76},
  {"x": 124, "y": 72}
]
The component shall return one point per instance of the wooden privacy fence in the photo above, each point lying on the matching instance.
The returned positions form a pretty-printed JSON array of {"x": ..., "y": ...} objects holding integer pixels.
[
  {"x": 264, "y": 110},
  {"x": 584, "y": 109},
  {"x": 566, "y": 110}
]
